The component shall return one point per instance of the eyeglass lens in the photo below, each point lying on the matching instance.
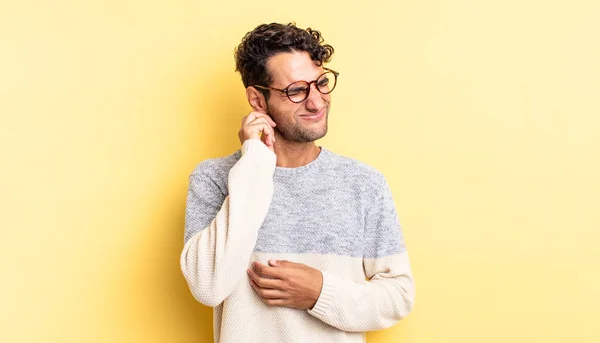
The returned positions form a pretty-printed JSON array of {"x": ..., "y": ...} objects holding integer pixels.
[{"x": 299, "y": 90}]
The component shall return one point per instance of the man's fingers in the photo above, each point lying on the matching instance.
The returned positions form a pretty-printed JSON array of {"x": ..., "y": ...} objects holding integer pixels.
[
  {"x": 267, "y": 293},
  {"x": 246, "y": 119},
  {"x": 256, "y": 123},
  {"x": 255, "y": 129},
  {"x": 267, "y": 117},
  {"x": 264, "y": 120},
  {"x": 268, "y": 129},
  {"x": 276, "y": 302},
  {"x": 261, "y": 125},
  {"x": 273, "y": 123},
  {"x": 283, "y": 263},
  {"x": 254, "y": 115},
  {"x": 260, "y": 120},
  {"x": 272, "y": 272},
  {"x": 264, "y": 282}
]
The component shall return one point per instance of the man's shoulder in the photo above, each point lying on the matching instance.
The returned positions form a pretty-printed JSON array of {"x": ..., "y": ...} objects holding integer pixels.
[{"x": 218, "y": 167}]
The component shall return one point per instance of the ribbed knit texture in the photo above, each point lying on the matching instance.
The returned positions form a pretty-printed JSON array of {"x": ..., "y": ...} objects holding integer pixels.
[{"x": 334, "y": 214}]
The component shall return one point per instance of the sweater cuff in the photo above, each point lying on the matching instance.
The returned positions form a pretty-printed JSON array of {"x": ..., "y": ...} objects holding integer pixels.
[
  {"x": 253, "y": 144},
  {"x": 258, "y": 156},
  {"x": 326, "y": 298}
]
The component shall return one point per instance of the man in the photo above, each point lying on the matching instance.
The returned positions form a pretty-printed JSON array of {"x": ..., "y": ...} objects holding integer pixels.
[{"x": 288, "y": 241}]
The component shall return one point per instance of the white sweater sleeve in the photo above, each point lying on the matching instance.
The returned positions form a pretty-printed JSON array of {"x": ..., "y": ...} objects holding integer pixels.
[
  {"x": 215, "y": 258},
  {"x": 376, "y": 304},
  {"x": 389, "y": 293}
]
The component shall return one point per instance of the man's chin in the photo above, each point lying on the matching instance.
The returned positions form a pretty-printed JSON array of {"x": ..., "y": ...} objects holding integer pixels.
[{"x": 318, "y": 135}]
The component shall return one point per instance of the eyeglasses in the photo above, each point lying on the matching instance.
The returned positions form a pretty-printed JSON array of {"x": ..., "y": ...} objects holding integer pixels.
[{"x": 298, "y": 91}]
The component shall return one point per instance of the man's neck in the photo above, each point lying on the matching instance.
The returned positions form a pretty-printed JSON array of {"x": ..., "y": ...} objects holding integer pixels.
[{"x": 293, "y": 155}]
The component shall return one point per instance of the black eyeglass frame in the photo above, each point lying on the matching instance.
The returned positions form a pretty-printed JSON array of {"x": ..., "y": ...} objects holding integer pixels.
[{"x": 285, "y": 90}]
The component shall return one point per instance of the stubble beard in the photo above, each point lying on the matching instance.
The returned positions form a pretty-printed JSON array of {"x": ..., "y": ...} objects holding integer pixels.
[{"x": 295, "y": 132}]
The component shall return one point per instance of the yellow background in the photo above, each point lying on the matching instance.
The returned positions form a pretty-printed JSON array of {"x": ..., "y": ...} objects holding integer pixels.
[{"x": 483, "y": 115}]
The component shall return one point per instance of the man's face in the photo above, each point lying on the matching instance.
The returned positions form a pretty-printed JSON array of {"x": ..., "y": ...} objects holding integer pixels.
[{"x": 297, "y": 122}]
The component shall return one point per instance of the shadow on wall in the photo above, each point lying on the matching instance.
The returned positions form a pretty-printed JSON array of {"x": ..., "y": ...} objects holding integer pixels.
[
  {"x": 159, "y": 305},
  {"x": 220, "y": 116}
]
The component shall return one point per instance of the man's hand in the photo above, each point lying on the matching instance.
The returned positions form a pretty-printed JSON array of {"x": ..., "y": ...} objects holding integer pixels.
[
  {"x": 256, "y": 123},
  {"x": 286, "y": 284}
]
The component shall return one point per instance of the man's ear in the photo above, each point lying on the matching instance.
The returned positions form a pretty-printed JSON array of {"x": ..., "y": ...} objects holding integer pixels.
[{"x": 256, "y": 100}]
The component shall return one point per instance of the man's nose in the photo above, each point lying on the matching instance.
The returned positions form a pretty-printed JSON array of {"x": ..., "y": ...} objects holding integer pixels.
[{"x": 315, "y": 98}]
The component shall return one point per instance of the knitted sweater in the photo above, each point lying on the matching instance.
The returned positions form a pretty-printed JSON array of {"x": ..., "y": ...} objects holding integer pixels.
[{"x": 334, "y": 214}]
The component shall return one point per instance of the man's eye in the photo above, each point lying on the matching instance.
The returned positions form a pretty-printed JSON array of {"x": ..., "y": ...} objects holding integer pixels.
[
  {"x": 296, "y": 90},
  {"x": 323, "y": 82}
]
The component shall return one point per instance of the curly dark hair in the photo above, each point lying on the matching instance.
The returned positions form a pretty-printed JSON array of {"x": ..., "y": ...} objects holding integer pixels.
[{"x": 267, "y": 40}]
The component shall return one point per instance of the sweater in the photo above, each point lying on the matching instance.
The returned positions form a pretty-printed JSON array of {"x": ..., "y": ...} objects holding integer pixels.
[{"x": 334, "y": 214}]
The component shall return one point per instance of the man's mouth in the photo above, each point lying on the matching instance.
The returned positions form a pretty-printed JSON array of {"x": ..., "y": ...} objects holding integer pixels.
[{"x": 314, "y": 116}]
